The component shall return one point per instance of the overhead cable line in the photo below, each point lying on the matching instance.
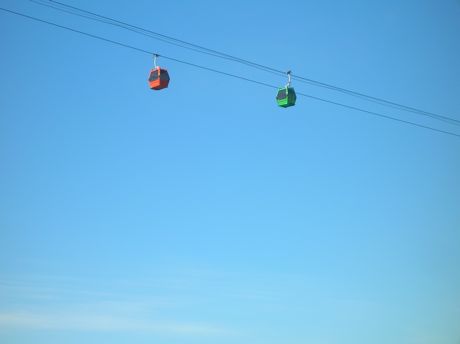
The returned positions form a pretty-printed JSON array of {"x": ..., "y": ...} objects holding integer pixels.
[
  {"x": 152, "y": 34},
  {"x": 63, "y": 7},
  {"x": 222, "y": 72}
]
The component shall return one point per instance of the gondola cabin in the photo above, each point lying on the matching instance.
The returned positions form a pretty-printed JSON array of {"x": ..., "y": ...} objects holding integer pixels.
[
  {"x": 286, "y": 97},
  {"x": 158, "y": 79}
]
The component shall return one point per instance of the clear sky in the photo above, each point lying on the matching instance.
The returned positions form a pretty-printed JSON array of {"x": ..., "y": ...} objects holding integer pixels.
[{"x": 204, "y": 213}]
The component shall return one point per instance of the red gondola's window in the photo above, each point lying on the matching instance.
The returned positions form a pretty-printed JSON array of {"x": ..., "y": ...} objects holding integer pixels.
[
  {"x": 153, "y": 75},
  {"x": 164, "y": 76}
]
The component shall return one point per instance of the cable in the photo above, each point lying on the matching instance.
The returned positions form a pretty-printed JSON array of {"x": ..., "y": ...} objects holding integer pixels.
[
  {"x": 223, "y": 73},
  {"x": 197, "y": 48},
  {"x": 376, "y": 114},
  {"x": 76, "y": 31},
  {"x": 138, "y": 49},
  {"x": 381, "y": 101},
  {"x": 152, "y": 34}
]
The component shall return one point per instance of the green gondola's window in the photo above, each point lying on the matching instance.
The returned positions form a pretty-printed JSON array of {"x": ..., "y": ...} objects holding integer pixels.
[
  {"x": 281, "y": 94},
  {"x": 153, "y": 75}
]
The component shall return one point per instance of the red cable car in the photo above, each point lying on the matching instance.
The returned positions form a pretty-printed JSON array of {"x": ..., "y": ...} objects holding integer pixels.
[{"x": 158, "y": 79}]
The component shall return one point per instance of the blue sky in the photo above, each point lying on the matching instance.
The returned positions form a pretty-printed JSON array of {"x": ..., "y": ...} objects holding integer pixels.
[{"x": 206, "y": 214}]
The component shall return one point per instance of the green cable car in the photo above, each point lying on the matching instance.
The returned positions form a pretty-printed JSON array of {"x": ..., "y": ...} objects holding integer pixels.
[{"x": 286, "y": 95}]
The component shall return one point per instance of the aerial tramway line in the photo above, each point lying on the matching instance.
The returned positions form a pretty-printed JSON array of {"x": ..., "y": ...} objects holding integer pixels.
[
  {"x": 159, "y": 79},
  {"x": 286, "y": 96}
]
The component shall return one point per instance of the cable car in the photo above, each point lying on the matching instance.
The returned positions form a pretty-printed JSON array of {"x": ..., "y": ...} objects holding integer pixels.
[
  {"x": 158, "y": 79},
  {"x": 286, "y": 95}
]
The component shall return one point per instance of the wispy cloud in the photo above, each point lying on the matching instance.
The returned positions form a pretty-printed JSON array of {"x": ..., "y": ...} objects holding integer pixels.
[
  {"x": 60, "y": 305},
  {"x": 26, "y": 320}
]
